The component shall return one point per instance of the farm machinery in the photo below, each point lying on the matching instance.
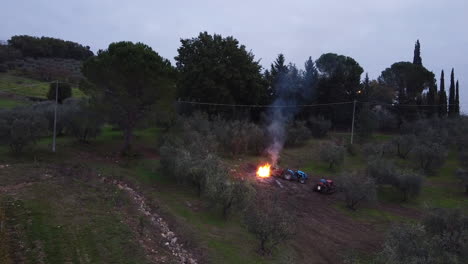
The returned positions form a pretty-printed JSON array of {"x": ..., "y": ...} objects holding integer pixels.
[
  {"x": 325, "y": 186},
  {"x": 291, "y": 175}
]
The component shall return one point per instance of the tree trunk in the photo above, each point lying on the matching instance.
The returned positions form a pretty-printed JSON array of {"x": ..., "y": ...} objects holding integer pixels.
[{"x": 128, "y": 134}]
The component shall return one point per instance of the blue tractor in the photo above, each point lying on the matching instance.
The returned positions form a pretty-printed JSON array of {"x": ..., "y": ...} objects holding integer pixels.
[{"x": 296, "y": 175}]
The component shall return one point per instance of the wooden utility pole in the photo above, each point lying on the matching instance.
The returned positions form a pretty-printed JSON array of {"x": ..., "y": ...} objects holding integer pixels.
[
  {"x": 352, "y": 125},
  {"x": 55, "y": 115}
]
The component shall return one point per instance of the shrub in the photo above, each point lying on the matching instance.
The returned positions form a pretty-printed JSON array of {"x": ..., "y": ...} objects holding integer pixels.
[
  {"x": 64, "y": 91},
  {"x": 382, "y": 171},
  {"x": 408, "y": 183},
  {"x": 447, "y": 230},
  {"x": 47, "y": 109},
  {"x": 441, "y": 238},
  {"x": 404, "y": 144},
  {"x": 297, "y": 134},
  {"x": 319, "y": 126},
  {"x": 463, "y": 176},
  {"x": 332, "y": 154},
  {"x": 229, "y": 194},
  {"x": 21, "y": 127},
  {"x": 357, "y": 188},
  {"x": 376, "y": 150},
  {"x": 269, "y": 223},
  {"x": 404, "y": 244},
  {"x": 366, "y": 123},
  {"x": 80, "y": 120},
  {"x": 430, "y": 156}
]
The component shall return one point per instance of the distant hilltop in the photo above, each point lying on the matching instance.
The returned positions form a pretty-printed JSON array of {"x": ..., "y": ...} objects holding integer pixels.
[{"x": 43, "y": 58}]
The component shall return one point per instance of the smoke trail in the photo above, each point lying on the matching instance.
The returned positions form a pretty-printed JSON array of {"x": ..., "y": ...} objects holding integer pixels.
[{"x": 287, "y": 92}]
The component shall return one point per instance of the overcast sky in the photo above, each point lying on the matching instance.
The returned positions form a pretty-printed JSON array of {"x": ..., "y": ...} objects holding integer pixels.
[{"x": 376, "y": 33}]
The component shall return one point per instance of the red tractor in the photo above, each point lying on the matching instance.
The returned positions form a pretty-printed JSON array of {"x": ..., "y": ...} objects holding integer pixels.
[{"x": 325, "y": 186}]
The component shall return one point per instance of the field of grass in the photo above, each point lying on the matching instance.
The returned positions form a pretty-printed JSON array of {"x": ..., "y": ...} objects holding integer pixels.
[
  {"x": 56, "y": 222},
  {"x": 6, "y": 103},
  {"x": 80, "y": 224},
  {"x": 28, "y": 87}
]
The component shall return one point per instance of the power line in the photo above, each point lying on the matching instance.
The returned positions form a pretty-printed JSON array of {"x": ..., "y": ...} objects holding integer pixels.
[
  {"x": 263, "y": 106},
  {"x": 305, "y": 105}
]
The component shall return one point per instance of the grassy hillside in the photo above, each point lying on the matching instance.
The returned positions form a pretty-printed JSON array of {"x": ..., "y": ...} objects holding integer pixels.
[
  {"x": 27, "y": 87},
  {"x": 69, "y": 215}
]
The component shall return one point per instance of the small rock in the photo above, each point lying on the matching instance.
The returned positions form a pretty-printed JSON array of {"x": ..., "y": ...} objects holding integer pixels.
[{"x": 174, "y": 240}]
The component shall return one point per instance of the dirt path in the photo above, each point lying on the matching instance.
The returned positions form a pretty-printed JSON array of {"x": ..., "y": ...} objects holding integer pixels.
[{"x": 149, "y": 242}]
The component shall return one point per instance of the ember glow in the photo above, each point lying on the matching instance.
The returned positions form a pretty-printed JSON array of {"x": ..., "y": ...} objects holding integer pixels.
[{"x": 264, "y": 171}]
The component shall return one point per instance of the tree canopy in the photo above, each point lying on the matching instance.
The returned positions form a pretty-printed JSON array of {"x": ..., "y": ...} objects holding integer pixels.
[
  {"x": 218, "y": 69},
  {"x": 31, "y": 46},
  {"x": 125, "y": 80}
]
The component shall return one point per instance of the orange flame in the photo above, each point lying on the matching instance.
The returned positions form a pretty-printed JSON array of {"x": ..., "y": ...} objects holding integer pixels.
[{"x": 264, "y": 171}]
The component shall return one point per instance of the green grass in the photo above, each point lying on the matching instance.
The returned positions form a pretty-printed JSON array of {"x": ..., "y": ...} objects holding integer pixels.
[
  {"x": 369, "y": 214},
  {"x": 6, "y": 103},
  {"x": 28, "y": 87},
  {"x": 226, "y": 241},
  {"x": 79, "y": 225}
]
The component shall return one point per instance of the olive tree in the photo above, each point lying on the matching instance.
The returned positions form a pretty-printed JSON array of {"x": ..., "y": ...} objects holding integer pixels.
[
  {"x": 80, "y": 120},
  {"x": 319, "y": 126},
  {"x": 21, "y": 127},
  {"x": 429, "y": 156},
  {"x": 404, "y": 144},
  {"x": 382, "y": 170},
  {"x": 408, "y": 183},
  {"x": 125, "y": 80},
  {"x": 332, "y": 154},
  {"x": 357, "y": 188},
  {"x": 269, "y": 223}
]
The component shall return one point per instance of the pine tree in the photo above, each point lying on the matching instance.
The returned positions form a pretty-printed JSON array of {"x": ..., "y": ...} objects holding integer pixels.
[
  {"x": 417, "y": 54},
  {"x": 442, "y": 97},
  {"x": 451, "y": 102},
  {"x": 457, "y": 101}
]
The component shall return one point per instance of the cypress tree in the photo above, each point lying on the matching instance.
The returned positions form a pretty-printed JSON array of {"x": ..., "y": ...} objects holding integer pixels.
[
  {"x": 451, "y": 102},
  {"x": 457, "y": 101},
  {"x": 442, "y": 97},
  {"x": 432, "y": 100},
  {"x": 417, "y": 54}
]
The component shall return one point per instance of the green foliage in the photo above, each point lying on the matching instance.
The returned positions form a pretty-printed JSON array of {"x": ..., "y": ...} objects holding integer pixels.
[
  {"x": 463, "y": 176},
  {"x": 404, "y": 244},
  {"x": 408, "y": 80},
  {"x": 64, "y": 91},
  {"x": 49, "y": 47},
  {"x": 332, "y": 154},
  {"x": 404, "y": 144},
  {"x": 268, "y": 223},
  {"x": 408, "y": 183},
  {"x": 377, "y": 150},
  {"x": 125, "y": 81},
  {"x": 229, "y": 194},
  {"x": 357, "y": 188},
  {"x": 430, "y": 156},
  {"x": 452, "y": 111},
  {"x": 80, "y": 120},
  {"x": 441, "y": 238},
  {"x": 319, "y": 126},
  {"x": 366, "y": 123},
  {"x": 339, "y": 81},
  {"x": 382, "y": 170},
  {"x": 21, "y": 127},
  {"x": 8, "y": 53},
  {"x": 417, "y": 54},
  {"x": 442, "y": 97},
  {"x": 219, "y": 70},
  {"x": 298, "y": 134}
]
